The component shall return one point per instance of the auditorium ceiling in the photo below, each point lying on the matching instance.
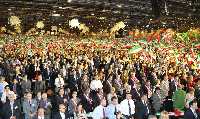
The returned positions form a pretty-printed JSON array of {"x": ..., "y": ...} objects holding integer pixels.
[{"x": 103, "y": 14}]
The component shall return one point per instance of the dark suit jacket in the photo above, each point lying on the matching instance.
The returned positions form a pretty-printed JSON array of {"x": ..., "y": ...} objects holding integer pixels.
[
  {"x": 58, "y": 116},
  {"x": 145, "y": 90},
  {"x": 188, "y": 114},
  {"x": 116, "y": 86},
  {"x": 107, "y": 87},
  {"x": 16, "y": 109},
  {"x": 18, "y": 88},
  {"x": 152, "y": 79},
  {"x": 86, "y": 105},
  {"x": 141, "y": 109},
  {"x": 42, "y": 105},
  {"x": 45, "y": 117},
  {"x": 73, "y": 82},
  {"x": 45, "y": 73},
  {"x": 196, "y": 92},
  {"x": 172, "y": 88},
  {"x": 135, "y": 95},
  {"x": 40, "y": 86},
  {"x": 60, "y": 100},
  {"x": 97, "y": 100}
]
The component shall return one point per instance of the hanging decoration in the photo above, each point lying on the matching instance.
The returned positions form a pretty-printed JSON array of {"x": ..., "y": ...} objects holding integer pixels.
[
  {"x": 83, "y": 28},
  {"x": 14, "y": 20},
  {"x": 40, "y": 24},
  {"x": 3, "y": 29},
  {"x": 74, "y": 23},
  {"x": 54, "y": 28},
  {"x": 118, "y": 26}
]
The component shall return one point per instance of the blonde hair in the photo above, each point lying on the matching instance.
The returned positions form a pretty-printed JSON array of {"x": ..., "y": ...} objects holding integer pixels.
[
  {"x": 164, "y": 115},
  {"x": 112, "y": 89}
]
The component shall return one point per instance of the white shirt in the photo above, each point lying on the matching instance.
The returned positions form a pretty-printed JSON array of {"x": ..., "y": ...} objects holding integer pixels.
[
  {"x": 57, "y": 80},
  {"x": 146, "y": 105},
  {"x": 98, "y": 112},
  {"x": 62, "y": 115},
  {"x": 40, "y": 117},
  {"x": 95, "y": 84},
  {"x": 124, "y": 107}
]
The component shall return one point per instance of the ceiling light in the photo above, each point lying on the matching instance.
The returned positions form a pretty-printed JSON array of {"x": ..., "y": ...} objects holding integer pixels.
[
  {"x": 60, "y": 7},
  {"x": 56, "y": 15},
  {"x": 151, "y": 19},
  {"x": 92, "y": 14},
  {"x": 119, "y": 6},
  {"x": 69, "y": 0},
  {"x": 54, "y": 11},
  {"x": 9, "y": 9}
]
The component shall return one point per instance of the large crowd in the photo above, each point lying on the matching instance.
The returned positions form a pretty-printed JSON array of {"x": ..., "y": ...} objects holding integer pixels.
[{"x": 47, "y": 79}]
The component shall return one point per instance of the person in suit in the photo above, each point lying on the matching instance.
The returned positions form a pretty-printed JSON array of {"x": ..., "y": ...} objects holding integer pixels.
[
  {"x": 41, "y": 114},
  {"x": 108, "y": 84},
  {"x": 147, "y": 90},
  {"x": 17, "y": 75},
  {"x": 38, "y": 97},
  {"x": 137, "y": 92},
  {"x": 133, "y": 79},
  {"x": 62, "y": 114},
  {"x": 12, "y": 108},
  {"x": 45, "y": 104},
  {"x": 173, "y": 85},
  {"x": 62, "y": 98},
  {"x": 73, "y": 103},
  {"x": 142, "y": 107},
  {"x": 127, "y": 90},
  {"x": 47, "y": 74},
  {"x": 16, "y": 87},
  {"x": 25, "y": 85},
  {"x": 197, "y": 89},
  {"x": 40, "y": 85},
  {"x": 84, "y": 83},
  {"x": 153, "y": 77},
  {"x": 164, "y": 85},
  {"x": 98, "y": 97},
  {"x": 191, "y": 113},
  {"x": 117, "y": 84},
  {"x": 30, "y": 107},
  {"x": 73, "y": 80},
  {"x": 86, "y": 100},
  {"x": 157, "y": 100},
  {"x": 55, "y": 72}
]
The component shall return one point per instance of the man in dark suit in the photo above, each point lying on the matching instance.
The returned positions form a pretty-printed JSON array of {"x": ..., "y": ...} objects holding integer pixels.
[
  {"x": 197, "y": 89},
  {"x": 73, "y": 81},
  {"x": 87, "y": 101},
  {"x": 142, "y": 107},
  {"x": 117, "y": 84},
  {"x": 62, "y": 114},
  {"x": 127, "y": 90},
  {"x": 41, "y": 115},
  {"x": 153, "y": 77},
  {"x": 62, "y": 98},
  {"x": 15, "y": 87},
  {"x": 12, "y": 108},
  {"x": 137, "y": 92},
  {"x": 45, "y": 104},
  {"x": 108, "y": 85},
  {"x": 191, "y": 113},
  {"x": 40, "y": 85},
  {"x": 38, "y": 97},
  {"x": 98, "y": 97},
  {"x": 173, "y": 86},
  {"x": 26, "y": 85},
  {"x": 47, "y": 74},
  {"x": 17, "y": 75}
]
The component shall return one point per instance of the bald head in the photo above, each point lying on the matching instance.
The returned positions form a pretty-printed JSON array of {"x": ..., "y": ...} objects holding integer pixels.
[
  {"x": 62, "y": 108},
  {"x": 41, "y": 112}
]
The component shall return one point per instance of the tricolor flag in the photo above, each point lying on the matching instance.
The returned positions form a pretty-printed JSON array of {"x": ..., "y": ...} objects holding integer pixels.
[{"x": 136, "y": 50}]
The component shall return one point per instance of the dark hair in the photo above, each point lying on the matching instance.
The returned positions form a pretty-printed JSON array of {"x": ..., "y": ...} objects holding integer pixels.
[
  {"x": 7, "y": 86},
  {"x": 82, "y": 111},
  {"x": 192, "y": 102},
  {"x": 143, "y": 95},
  {"x": 114, "y": 97}
]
